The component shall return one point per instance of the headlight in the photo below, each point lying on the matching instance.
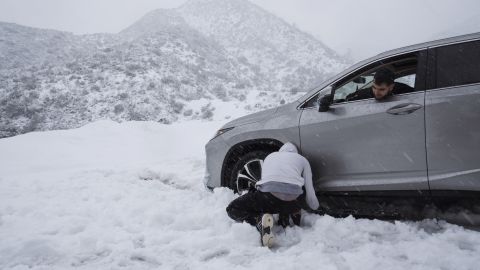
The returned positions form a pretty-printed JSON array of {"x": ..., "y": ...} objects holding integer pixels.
[{"x": 221, "y": 131}]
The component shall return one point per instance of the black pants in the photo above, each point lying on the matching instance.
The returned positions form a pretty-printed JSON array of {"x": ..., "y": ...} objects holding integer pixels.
[{"x": 251, "y": 206}]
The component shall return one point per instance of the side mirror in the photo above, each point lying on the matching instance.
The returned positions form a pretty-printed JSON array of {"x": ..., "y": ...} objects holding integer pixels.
[{"x": 324, "y": 102}]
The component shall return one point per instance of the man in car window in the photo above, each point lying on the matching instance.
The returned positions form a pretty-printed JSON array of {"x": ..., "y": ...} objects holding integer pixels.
[{"x": 384, "y": 85}]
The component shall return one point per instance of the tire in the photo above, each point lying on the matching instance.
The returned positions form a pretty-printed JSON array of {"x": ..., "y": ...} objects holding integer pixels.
[{"x": 242, "y": 179}]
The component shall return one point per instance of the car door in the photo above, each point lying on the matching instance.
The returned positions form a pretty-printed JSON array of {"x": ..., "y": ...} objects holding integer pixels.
[
  {"x": 369, "y": 147},
  {"x": 453, "y": 124}
]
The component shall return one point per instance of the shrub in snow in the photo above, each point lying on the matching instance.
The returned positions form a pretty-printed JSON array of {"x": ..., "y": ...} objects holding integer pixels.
[
  {"x": 242, "y": 84},
  {"x": 177, "y": 107},
  {"x": 123, "y": 96},
  {"x": 34, "y": 122},
  {"x": 13, "y": 110},
  {"x": 188, "y": 112},
  {"x": 207, "y": 111},
  {"x": 135, "y": 116},
  {"x": 168, "y": 80},
  {"x": 62, "y": 101},
  {"x": 151, "y": 86},
  {"x": 29, "y": 82},
  {"x": 129, "y": 73},
  {"x": 220, "y": 92},
  {"x": 118, "y": 109}
]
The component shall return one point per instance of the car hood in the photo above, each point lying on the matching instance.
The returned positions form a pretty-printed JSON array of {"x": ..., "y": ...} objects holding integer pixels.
[{"x": 251, "y": 118}]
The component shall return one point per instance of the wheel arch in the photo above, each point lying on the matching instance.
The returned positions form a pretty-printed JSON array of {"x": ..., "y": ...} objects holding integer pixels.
[{"x": 241, "y": 148}]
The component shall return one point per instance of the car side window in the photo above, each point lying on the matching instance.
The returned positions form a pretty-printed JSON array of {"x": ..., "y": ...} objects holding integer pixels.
[
  {"x": 405, "y": 68},
  {"x": 407, "y": 79},
  {"x": 458, "y": 64},
  {"x": 360, "y": 82}
]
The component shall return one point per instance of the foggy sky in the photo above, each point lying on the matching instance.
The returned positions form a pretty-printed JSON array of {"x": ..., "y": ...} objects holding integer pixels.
[{"x": 358, "y": 27}]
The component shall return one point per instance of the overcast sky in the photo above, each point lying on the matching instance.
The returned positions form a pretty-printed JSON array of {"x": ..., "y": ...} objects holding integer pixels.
[{"x": 361, "y": 27}]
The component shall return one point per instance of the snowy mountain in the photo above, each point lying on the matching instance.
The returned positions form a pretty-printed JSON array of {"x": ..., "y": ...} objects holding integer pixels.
[
  {"x": 285, "y": 56},
  {"x": 168, "y": 66},
  {"x": 21, "y": 46}
]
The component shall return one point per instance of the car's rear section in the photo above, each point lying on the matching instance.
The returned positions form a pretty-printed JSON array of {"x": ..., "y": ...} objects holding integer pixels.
[{"x": 452, "y": 126}]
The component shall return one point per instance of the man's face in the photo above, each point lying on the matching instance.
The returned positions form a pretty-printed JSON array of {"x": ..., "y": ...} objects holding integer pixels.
[{"x": 380, "y": 91}]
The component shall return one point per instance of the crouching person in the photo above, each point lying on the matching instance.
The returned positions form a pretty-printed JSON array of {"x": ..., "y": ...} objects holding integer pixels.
[{"x": 285, "y": 176}]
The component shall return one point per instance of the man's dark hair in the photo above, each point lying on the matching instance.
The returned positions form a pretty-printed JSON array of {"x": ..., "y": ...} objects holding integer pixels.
[{"x": 384, "y": 75}]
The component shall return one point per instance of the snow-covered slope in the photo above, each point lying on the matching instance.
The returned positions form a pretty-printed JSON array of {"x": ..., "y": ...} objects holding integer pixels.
[
  {"x": 124, "y": 77},
  {"x": 22, "y": 46},
  {"x": 285, "y": 56},
  {"x": 155, "y": 68},
  {"x": 130, "y": 196}
]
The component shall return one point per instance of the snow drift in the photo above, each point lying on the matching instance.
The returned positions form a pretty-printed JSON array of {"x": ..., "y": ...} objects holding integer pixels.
[{"x": 130, "y": 196}]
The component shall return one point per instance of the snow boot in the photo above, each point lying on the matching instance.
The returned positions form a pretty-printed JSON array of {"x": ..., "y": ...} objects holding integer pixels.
[
  {"x": 296, "y": 218},
  {"x": 266, "y": 230},
  {"x": 283, "y": 220}
]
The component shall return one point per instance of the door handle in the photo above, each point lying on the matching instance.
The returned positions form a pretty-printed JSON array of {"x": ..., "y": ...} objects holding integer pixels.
[{"x": 405, "y": 108}]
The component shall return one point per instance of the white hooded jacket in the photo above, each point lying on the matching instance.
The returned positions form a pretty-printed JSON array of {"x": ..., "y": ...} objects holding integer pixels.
[{"x": 287, "y": 166}]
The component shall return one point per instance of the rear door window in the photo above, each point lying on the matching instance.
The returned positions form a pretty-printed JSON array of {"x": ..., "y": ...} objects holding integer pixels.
[{"x": 458, "y": 64}]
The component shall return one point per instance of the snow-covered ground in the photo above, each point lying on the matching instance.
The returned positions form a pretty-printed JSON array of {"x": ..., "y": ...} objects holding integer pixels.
[{"x": 130, "y": 196}]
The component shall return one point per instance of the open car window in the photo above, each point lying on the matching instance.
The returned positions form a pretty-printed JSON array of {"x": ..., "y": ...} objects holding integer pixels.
[
  {"x": 409, "y": 69},
  {"x": 404, "y": 67}
]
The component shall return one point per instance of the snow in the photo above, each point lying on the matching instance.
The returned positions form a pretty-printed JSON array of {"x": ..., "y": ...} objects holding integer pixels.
[{"x": 130, "y": 196}]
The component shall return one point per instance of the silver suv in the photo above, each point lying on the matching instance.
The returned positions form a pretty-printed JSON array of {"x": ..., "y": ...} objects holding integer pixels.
[{"x": 389, "y": 158}]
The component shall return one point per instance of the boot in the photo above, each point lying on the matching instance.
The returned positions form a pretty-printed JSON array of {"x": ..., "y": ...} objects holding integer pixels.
[
  {"x": 283, "y": 220},
  {"x": 296, "y": 217},
  {"x": 265, "y": 227}
]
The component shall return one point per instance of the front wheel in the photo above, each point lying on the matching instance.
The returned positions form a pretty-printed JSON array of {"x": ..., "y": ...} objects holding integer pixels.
[{"x": 247, "y": 171}]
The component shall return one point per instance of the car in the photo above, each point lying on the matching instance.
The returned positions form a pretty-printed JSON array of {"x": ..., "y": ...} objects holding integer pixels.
[{"x": 414, "y": 155}]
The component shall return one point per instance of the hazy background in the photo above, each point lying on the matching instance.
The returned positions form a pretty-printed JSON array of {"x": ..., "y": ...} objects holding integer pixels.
[{"x": 358, "y": 28}]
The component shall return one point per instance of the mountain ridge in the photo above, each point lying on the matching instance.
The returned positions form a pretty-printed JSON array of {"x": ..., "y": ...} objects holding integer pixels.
[{"x": 155, "y": 69}]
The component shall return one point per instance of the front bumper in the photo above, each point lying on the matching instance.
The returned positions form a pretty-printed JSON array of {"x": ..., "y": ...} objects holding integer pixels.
[{"x": 215, "y": 150}]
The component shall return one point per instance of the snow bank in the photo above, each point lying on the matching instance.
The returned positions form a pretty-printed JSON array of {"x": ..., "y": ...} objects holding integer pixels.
[{"x": 130, "y": 196}]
